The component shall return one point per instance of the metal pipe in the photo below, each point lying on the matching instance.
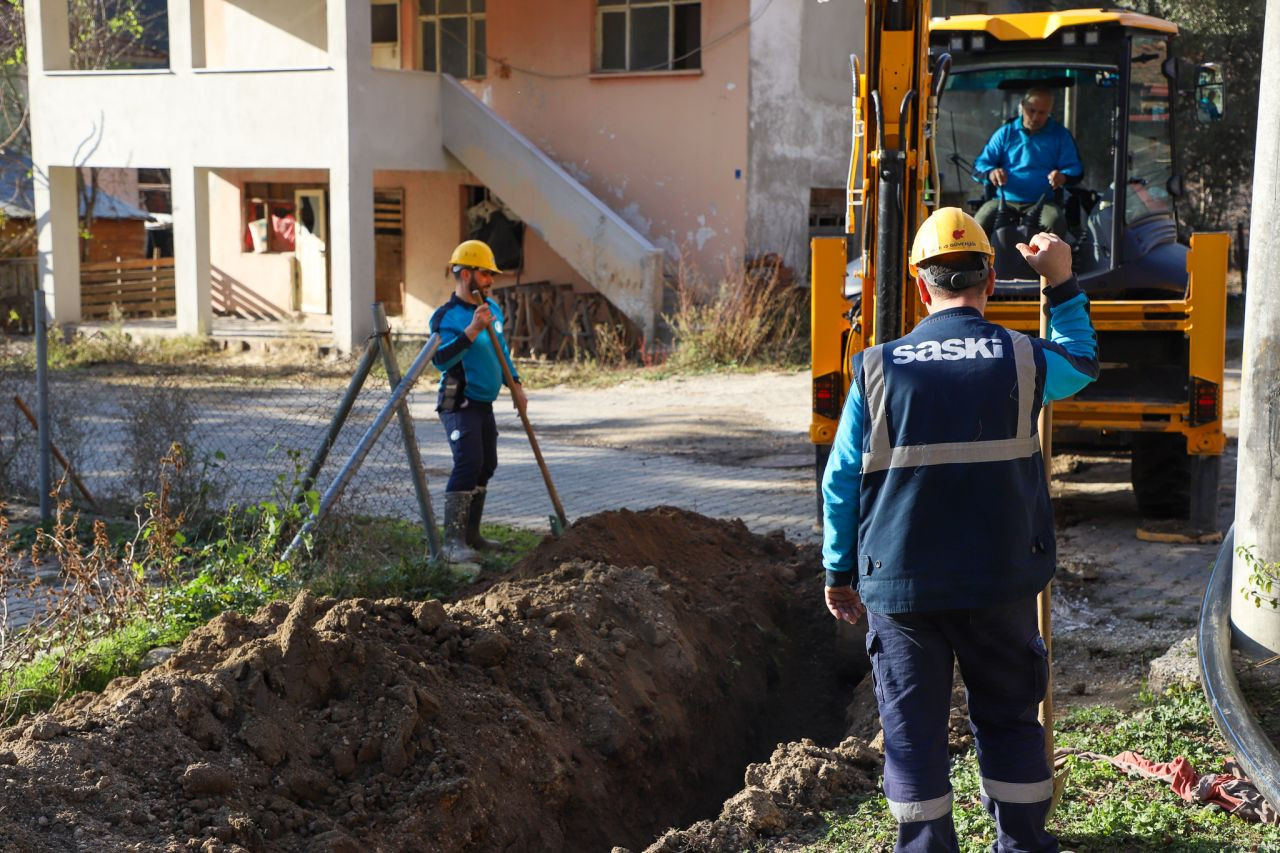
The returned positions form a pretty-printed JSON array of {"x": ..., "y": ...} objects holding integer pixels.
[
  {"x": 1249, "y": 743},
  {"x": 1120, "y": 174},
  {"x": 44, "y": 439},
  {"x": 339, "y": 418},
  {"x": 367, "y": 441},
  {"x": 417, "y": 472}
]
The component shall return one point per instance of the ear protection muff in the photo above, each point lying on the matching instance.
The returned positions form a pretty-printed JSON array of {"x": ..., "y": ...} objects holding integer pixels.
[{"x": 957, "y": 281}]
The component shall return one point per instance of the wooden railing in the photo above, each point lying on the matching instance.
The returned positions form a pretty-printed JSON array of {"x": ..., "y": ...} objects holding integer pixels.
[
  {"x": 17, "y": 290},
  {"x": 139, "y": 288}
]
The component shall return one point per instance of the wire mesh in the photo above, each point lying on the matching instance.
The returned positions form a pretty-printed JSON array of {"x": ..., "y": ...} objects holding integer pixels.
[{"x": 245, "y": 436}]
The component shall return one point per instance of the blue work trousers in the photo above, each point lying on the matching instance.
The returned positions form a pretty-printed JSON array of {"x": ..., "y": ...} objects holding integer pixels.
[
  {"x": 1005, "y": 668},
  {"x": 473, "y": 438}
]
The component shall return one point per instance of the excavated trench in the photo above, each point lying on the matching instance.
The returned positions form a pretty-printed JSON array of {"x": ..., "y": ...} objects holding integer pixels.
[{"x": 618, "y": 683}]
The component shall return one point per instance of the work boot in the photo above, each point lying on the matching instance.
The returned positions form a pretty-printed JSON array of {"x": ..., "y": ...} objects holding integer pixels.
[
  {"x": 474, "y": 539},
  {"x": 457, "y": 506}
]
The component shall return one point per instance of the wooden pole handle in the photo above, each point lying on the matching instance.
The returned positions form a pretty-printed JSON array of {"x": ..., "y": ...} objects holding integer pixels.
[{"x": 524, "y": 419}]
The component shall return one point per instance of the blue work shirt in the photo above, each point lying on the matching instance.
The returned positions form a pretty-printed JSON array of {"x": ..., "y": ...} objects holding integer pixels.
[
  {"x": 940, "y": 526},
  {"x": 476, "y": 359},
  {"x": 1028, "y": 158}
]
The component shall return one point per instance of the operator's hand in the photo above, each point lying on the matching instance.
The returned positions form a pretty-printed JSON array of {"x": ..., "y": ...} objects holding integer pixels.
[
  {"x": 518, "y": 399},
  {"x": 479, "y": 320},
  {"x": 1057, "y": 179},
  {"x": 999, "y": 177},
  {"x": 1049, "y": 256},
  {"x": 845, "y": 604}
]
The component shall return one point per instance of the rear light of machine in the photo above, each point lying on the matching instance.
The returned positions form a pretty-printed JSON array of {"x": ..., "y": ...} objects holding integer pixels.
[
  {"x": 1205, "y": 397},
  {"x": 826, "y": 395}
]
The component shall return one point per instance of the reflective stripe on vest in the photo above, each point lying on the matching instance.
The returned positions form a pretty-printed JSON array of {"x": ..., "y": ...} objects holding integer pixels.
[{"x": 882, "y": 455}]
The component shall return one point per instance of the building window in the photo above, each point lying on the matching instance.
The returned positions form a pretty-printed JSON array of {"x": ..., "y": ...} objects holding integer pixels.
[
  {"x": 648, "y": 35},
  {"x": 451, "y": 37}
]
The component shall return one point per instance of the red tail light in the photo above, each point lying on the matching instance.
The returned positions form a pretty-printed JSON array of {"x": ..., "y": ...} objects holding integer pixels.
[
  {"x": 826, "y": 395},
  {"x": 1205, "y": 399}
]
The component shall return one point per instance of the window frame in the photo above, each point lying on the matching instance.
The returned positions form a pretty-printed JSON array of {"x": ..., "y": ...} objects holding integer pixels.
[
  {"x": 625, "y": 8},
  {"x": 474, "y": 57}
]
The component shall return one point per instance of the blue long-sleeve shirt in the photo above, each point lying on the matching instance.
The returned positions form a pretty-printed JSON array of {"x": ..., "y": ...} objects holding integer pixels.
[
  {"x": 1029, "y": 158},
  {"x": 1070, "y": 363},
  {"x": 477, "y": 360}
]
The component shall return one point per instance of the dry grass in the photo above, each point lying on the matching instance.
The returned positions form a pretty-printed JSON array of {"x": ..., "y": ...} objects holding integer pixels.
[{"x": 753, "y": 316}]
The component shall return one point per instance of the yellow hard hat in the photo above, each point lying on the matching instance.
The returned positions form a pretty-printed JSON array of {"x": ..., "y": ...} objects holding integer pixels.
[
  {"x": 948, "y": 229},
  {"x": 474, "y": 253}
]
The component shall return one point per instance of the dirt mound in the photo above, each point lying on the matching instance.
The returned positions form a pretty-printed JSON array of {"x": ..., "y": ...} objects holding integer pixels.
[
  {"x": 569, "y": 710},
  {"x": 665, "y": 536},
  {"x": 785, "y": 795}
]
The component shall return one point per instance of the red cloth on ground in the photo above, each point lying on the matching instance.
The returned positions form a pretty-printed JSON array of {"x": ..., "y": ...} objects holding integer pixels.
[{"x": 1231, "y": 790}]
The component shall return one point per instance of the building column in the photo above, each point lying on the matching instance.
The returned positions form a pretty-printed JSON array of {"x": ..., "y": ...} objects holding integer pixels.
[
  {"x": 186, "y": 34},
  {"x": 57, "y": 209},
  {"x": 1257, "y": 525},
  {"x": 351, "y": 254},
  {"x": 190, "y": 189}
]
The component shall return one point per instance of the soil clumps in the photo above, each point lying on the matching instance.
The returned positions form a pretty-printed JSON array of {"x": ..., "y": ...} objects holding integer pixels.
[{"x": 614, "y": 686}]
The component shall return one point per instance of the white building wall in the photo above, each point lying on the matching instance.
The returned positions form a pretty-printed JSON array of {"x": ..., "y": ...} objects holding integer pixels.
[
  {"x": 265, "y": 33},
  {"x": 800, "y": 118}
]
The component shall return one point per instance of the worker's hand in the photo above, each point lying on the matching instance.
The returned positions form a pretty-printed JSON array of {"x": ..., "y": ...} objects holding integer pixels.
[
  {"x": 999, "y": 177},
  {"x": 845, "y": 604},
  {"x": 518, "y": 399},
  {"x": 1057, "y": 179},
  {"x": 1049, "y": 256},
  {"x": 479, "y": 321}
]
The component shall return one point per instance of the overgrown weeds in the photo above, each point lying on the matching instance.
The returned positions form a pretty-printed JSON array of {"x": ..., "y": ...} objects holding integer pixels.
[{"x": 79, "y": 609}]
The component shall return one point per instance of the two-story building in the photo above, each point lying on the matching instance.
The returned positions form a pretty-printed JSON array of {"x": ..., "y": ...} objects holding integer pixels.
[{"x": 326, "y": 154}]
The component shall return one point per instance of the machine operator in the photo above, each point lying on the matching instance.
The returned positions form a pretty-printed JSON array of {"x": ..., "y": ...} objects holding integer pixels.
[{"x": 1026, "y": 158}]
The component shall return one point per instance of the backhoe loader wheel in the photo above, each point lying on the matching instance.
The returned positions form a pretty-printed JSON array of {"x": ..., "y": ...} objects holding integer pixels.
[{"x": 1161, "y": 475}]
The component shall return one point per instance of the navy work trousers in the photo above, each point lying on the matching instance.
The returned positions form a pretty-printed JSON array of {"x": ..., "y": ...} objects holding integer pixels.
[
  {"x": 1005, "y": 668},
  {"x": 473, "y": 438}
]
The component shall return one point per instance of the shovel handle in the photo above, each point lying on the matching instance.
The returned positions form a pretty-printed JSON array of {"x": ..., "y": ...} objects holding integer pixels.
[
  {"x": 1045, "y": 600},
  {"x": 524, "y": 419}
]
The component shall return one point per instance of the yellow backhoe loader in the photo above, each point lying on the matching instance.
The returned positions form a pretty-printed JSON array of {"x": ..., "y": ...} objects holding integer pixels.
[{"x": 927, "y": 96}]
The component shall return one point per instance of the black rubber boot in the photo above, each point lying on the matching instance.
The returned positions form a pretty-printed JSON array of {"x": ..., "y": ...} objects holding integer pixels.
[
  {"x": 474, "y": 539},
  {"x": 457, "y": 507}
]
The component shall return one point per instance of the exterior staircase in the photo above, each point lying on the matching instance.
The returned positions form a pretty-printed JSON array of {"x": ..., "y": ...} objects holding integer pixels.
[{"x": 618, "y": 261}]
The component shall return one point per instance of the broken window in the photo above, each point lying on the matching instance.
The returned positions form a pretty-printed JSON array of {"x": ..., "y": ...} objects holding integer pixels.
[
  {"x": 451, "y": 37},
  {"x": 648, "y": 35}
]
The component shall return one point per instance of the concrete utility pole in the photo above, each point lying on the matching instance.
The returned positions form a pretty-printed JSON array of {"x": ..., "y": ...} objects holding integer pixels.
[{"x": 1257, "y": 628}]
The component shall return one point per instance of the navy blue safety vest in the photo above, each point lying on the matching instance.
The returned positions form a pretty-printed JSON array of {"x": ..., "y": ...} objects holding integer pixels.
[{"x": 954, "y": 505}]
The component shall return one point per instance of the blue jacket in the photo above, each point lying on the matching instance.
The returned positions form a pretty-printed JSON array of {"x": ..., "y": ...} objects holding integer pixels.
[
  {"x": 474, "y": 362},
  {"x": 934, "y": 495},
  {"x": 1029, "y": 158}
]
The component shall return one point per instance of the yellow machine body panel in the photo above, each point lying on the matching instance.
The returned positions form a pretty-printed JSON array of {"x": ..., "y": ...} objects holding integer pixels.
[{"x": 1028, "y": 26}]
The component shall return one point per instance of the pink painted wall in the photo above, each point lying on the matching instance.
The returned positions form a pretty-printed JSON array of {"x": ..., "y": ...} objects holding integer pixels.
[
  {"x": 256, "y": 285},
  {"x": 667, "y": 151}
]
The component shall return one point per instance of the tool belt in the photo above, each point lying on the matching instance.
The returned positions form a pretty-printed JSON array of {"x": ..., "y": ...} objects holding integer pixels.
[{"x": 451, "y": 397}]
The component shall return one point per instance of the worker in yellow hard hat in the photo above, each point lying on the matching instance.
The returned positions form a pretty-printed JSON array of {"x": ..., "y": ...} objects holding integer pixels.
[
  {"x": 471, "y": 377},
  {"x": 938, "y": 527}
]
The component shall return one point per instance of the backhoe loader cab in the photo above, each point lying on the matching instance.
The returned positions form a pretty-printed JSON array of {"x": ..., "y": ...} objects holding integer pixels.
[
  {"x": 1158, "y": 301},
  {"x": 1112, "y": 88}
]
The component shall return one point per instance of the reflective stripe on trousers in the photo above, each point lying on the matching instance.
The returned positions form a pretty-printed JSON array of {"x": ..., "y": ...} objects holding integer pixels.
[{"x": 882, "y": 455}]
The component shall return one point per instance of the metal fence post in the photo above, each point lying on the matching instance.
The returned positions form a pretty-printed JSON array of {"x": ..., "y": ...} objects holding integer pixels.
[
  {"x": 367, "y": 441},
  {"x": 339, "y": 418},
  {"x": 44, "y": 439},
  {"x": 416, "y": 470}
]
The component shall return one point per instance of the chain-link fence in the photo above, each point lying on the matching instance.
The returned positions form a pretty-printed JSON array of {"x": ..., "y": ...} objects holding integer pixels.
[{"x": 246, "y": 434}]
